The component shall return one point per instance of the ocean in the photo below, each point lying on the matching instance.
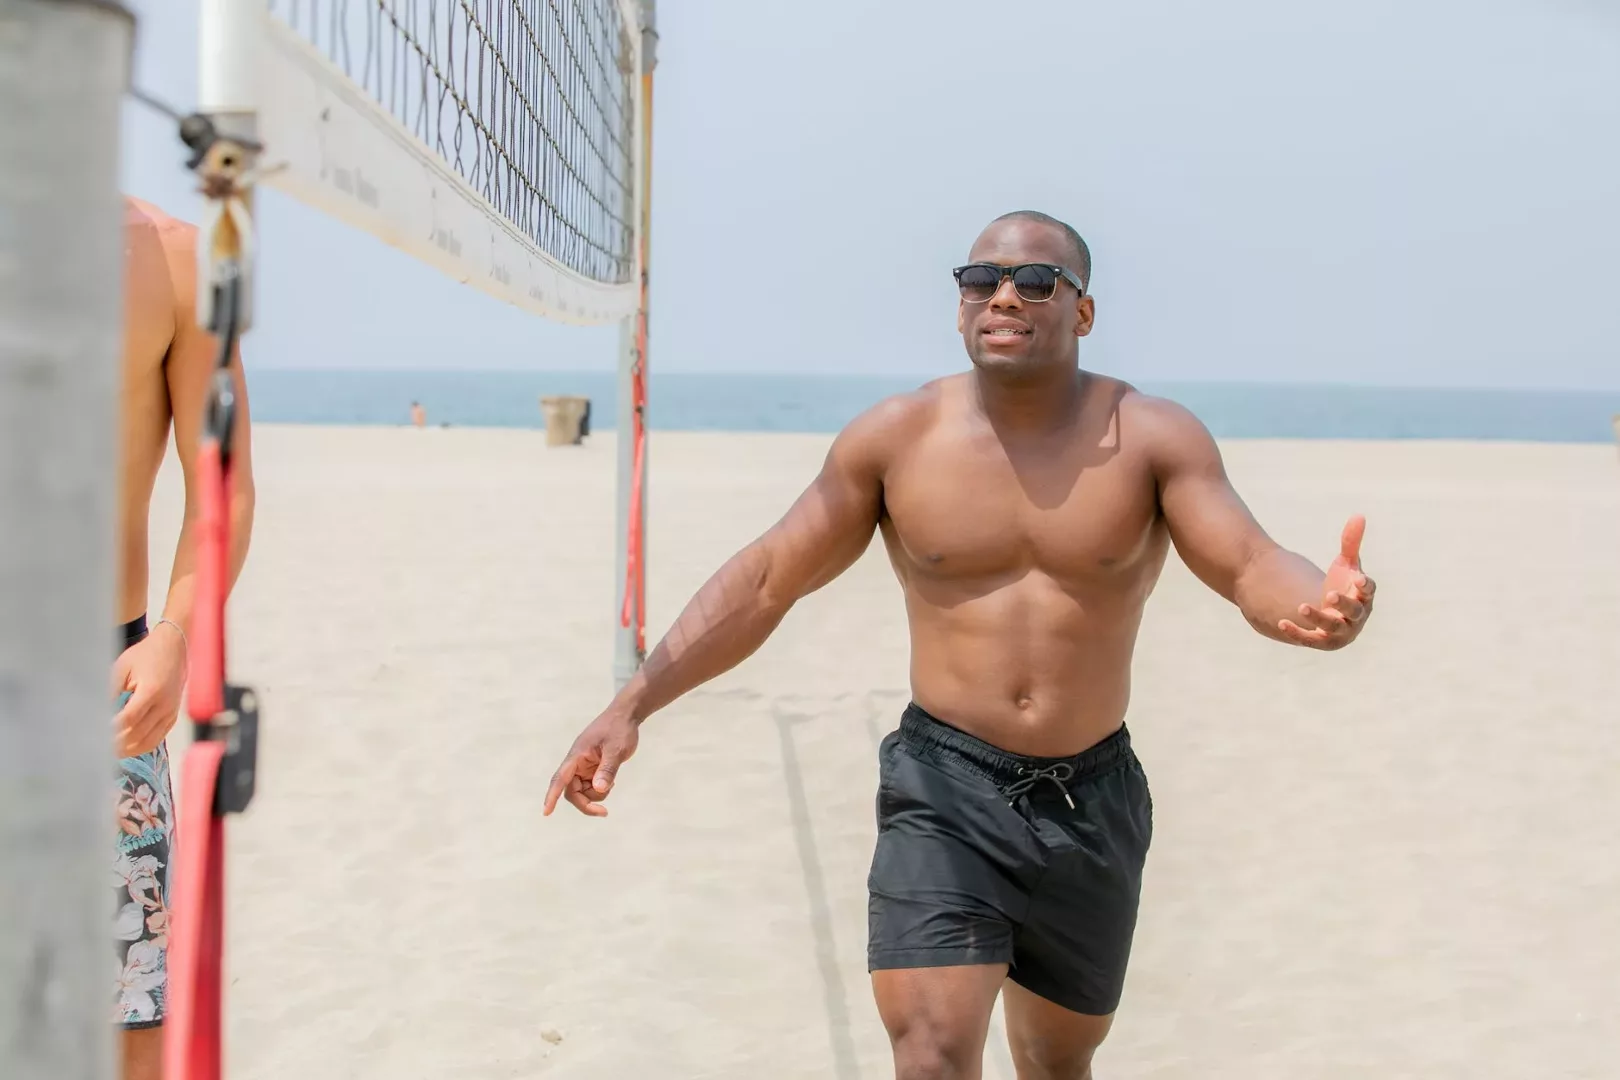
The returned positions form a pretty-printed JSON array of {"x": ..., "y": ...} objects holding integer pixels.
[{"x": 823, "y": 404}]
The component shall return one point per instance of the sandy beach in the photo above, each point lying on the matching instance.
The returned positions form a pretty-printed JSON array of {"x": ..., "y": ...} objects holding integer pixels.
[{"x": 1397, "y": 861}]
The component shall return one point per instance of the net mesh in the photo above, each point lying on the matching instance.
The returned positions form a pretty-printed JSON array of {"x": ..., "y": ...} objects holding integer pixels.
[{"x": 530, "y": 101}]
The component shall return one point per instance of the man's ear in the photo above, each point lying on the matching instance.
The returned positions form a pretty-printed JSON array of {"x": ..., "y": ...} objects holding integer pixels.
[{"x": 1085, "y": 315}]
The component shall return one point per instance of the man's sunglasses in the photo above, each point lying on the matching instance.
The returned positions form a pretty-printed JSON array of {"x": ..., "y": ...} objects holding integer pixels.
[{"x": 1035, "y": 282}]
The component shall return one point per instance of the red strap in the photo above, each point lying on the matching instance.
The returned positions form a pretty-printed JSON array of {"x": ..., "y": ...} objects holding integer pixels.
[
  {"x": 192, "y": 1035},
  {"x": 191, "y": 1031},
  {"x": 205, "y": 695},
  {"x": 633, "y": 577},
  {"x": 635, "y": 570}
]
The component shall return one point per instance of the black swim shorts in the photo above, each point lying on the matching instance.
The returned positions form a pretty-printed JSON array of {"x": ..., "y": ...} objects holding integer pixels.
[{"x": 987, "y": 857}]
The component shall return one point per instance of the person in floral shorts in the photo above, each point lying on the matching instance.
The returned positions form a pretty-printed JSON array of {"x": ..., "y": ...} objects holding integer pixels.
[
  {"x": 145, "y": 811},
  {"x": 167, "y": 364}
]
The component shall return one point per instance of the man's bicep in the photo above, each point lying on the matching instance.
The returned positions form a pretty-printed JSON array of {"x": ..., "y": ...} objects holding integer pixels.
[
  {"x": 1212, "y": 528},
  {"x": 191, "y": 363},
  {"x": 831, "y": 523}
]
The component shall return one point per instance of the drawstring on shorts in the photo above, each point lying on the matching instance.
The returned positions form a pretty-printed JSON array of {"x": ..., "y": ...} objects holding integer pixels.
[{"x": 1059, "y": 774}]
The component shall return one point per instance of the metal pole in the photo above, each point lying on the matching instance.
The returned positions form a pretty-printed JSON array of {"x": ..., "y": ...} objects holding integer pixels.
[
  {"x": 627, "y": 653},
  {"x": 227, "y": 35},
  {"x": 63, "y": 70},
  {"x": 626, "y": 656}
]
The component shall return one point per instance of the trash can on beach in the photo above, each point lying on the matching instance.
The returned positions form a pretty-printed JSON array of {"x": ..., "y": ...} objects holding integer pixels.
[{"x": 567, "y": 419}]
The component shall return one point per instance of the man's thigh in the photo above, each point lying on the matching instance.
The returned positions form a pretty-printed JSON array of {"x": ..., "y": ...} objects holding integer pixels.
[
  {"x": 140, "y": 1054},
  {"x": 937, "y": 1017},
  {"x": 1049, "y": 1042}
]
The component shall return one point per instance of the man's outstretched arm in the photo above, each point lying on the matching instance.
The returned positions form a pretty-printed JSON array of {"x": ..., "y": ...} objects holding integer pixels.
[
  {"x": 825, "y": 530},
  {"x": 822, "y": 534},
  {"x": 1281, "y": 594}
]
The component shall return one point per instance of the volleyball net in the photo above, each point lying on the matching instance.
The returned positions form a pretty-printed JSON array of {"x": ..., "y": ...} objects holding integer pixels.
[
  {"x": 494, "y": 139},
  {"x": 504, "y": 142}
]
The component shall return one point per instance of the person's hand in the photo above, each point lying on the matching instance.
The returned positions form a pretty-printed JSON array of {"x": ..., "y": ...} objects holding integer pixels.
[
  {"x": 586, "y": 775},
  {"x": 153, "y": 671},
  {"x": 1347, "y": 598}
]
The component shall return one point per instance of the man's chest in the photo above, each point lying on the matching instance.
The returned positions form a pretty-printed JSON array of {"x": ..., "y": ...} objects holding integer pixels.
[{"x": 974, "y": 510}]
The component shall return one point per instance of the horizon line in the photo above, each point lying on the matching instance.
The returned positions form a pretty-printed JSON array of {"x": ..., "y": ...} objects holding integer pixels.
[{"x": 922, "y": 377}]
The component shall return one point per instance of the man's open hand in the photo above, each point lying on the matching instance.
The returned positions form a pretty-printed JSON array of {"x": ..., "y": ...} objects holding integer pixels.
[
  {"x": 586, "y": 775},
  {"x": 1347, "y": 598},
  {"x": 153, "y": 670}
]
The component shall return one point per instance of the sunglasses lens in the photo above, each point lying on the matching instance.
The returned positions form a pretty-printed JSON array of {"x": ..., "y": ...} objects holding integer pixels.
[
  {"x": 1035, "y": 283},
  {"x": 978, "y": 283}
]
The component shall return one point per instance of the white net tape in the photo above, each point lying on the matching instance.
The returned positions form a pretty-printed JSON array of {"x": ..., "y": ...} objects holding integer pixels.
[{"x": 496, "y": 139}]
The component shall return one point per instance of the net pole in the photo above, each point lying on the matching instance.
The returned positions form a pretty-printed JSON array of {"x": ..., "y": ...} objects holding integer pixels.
[
  {"x": 228, "y": 33},
  {"x": 64, "y": 65},
  {"x": 633, "y": 441}
]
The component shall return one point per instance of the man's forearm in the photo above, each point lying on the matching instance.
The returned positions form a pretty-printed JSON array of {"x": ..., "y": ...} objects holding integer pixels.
[
  {"x": 1272, "y": 587},
  {"x": 729, "y": 618},
  {"x": 181, "y": 597}
]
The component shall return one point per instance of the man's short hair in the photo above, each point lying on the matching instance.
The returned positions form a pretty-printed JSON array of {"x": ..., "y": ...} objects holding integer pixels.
[{"x": 1082, "y": 253}]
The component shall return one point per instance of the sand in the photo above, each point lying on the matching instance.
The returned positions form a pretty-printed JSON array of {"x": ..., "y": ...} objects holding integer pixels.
[{"x": 1398, "y": 861}]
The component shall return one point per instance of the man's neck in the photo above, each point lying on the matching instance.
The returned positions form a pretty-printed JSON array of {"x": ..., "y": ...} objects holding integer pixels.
[{"x": 1031, "y": 405}]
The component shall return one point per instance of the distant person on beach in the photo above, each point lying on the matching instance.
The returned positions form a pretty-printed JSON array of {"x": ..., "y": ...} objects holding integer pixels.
[
  {"x": 418, "y": 414},
  {"x": 168, "y": 361},
  {"x": 1027, "y": 507}
]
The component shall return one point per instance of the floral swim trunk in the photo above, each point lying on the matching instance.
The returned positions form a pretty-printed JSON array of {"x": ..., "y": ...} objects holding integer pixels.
[{"x": 145, "y": 818}]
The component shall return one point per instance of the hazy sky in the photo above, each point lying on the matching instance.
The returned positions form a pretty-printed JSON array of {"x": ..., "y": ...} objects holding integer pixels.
[{"x": 1387, "y": 191}]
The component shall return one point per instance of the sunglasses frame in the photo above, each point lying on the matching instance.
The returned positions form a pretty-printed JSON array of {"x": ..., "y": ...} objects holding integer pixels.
[{"x": 1008, "y": 271}]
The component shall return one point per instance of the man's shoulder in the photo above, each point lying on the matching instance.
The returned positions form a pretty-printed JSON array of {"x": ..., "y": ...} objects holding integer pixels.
[
  {"x": 176, "y": 238},
  {"x": 143, "y": 240},
  {"x": 1157, "y": 415},
  {"x": 140, "y": 217},
  {"x": 138, "y": 213},
  {"x": 905, "y": 414},
  {"x": 1169, "y": 432},
  {"x": 878, "y": 432}
]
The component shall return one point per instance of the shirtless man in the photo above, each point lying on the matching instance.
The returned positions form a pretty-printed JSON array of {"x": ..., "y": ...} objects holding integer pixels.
[
  {"x": 1027, "y": 507},
  {"x": 168, "y": 360}
]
